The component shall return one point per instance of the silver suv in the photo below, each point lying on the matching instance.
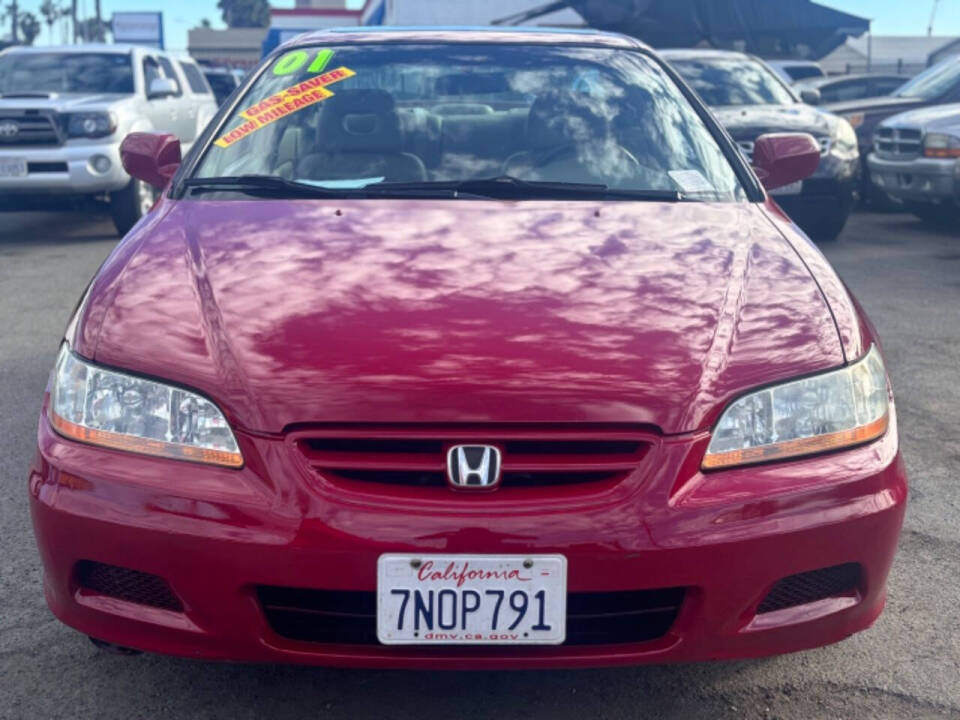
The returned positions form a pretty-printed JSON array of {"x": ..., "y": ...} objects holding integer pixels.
[
  {"x": 916, "y": 159},
  {"x": 64, "y": 111}
]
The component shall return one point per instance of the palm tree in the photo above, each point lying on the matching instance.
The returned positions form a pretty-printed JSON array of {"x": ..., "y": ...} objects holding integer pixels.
[{"x": 51, "y": 12}]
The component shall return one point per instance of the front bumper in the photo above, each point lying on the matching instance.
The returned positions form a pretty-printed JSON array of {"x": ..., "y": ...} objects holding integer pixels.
[
  {"x": 216, "y": 535},
  {"x": 920, "y": 179},
  {"x": 65, "y": 170}
]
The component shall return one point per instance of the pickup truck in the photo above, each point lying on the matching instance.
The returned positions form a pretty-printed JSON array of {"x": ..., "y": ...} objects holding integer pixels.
[
  {"x": 916, "y": 159},
  {"x": 65, "y": 110}
]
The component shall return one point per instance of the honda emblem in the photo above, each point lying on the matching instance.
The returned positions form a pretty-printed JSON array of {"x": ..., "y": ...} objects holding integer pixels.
[{"x": 473, "y": 466}]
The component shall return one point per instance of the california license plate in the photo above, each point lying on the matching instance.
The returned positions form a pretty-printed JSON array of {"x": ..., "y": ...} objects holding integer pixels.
[
  {"x": 793, "y": 188},
  {"x": 13, "y": 167},
  {"x": 471, "y": 599}
]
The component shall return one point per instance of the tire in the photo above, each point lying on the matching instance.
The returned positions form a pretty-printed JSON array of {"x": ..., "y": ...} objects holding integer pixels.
[
  {"x": 827, "y": 228},
  {"x": 130, "y": 204},
  {"x": 936, "y": 214}
]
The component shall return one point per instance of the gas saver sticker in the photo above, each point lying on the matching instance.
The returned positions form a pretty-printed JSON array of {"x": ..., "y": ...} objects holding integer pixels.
[{"x": 283, "y": 103}]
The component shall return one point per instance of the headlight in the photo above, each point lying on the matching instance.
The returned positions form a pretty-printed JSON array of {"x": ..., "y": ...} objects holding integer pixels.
[
  {"x": 91, "y": 124},
  {"x": 843, "y": 134},
  {"x": 123, "y": 412},
  {"x": 834, "y": 410},
  {"x": 941, "y": 145}
]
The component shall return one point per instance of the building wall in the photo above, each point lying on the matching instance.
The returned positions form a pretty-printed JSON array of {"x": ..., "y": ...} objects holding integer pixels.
[{"x": 233, "y": 47}]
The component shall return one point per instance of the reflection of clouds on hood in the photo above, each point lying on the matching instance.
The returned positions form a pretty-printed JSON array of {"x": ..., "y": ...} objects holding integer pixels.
[{"x": 441, "y": 310}]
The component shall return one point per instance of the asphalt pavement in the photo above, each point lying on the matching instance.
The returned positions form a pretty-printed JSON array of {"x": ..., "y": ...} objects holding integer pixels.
[{"x": 906, "y": 666}]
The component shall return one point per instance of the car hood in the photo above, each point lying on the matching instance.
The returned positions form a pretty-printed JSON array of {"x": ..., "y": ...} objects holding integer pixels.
[
  {"x": 305, "y": 311},
  {"x": 63, "y": 102},
  {"x": 884, "y": 103},
  {"x": 749, "y": 121},
  {"x": 931, "y": 119}
]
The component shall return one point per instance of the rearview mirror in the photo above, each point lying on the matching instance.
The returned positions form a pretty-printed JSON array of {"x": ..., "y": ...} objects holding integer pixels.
[
  {"x": 811, "y": 96},
  {"x": 161, "y": 87},
  {"x": 783, "y": 158},
  {"x": 151, "y": 157}
]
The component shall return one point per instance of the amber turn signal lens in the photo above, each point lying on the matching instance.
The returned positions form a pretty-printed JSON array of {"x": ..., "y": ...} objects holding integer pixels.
[
  {"x": 801, "y": 446},
  {"x": 157, "y": 448}
]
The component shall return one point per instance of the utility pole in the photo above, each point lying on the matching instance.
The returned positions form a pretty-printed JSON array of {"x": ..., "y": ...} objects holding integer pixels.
[
  {"x": 16, "y": 21},
  {"x": 933, "y": 15},
  {"x": 101, "y": 37},
  {"x": 73, "y": 19}
]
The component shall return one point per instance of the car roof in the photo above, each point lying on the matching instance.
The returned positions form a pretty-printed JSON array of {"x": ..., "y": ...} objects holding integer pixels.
[
  {"x": 100, "y": 48},
  {"x": 702, "y": 54},
  {"x": 785, "y": 63},
  {"x": 820, "y": 81},
  {"x": 467, "y": 34}
]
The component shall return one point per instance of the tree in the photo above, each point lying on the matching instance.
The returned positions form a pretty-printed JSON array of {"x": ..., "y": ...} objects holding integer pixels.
[
  {"x": 29, "y": 27},
  {"x": 245, "y": 13},
  {"x": 51, "y": 11},
  {"x": 10, "y": 11},
  {"x": 92, "y": 30},
  {"x": 205, "y": 23}
]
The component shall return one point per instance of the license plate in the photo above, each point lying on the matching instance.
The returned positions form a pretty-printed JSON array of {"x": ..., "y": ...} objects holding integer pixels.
[
  {"x": 13, "y": 167},
  {"x": 793, "y": 188},
  {"x": 471, "y": 599}
]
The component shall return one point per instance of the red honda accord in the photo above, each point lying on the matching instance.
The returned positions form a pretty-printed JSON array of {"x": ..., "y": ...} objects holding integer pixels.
[{"x": 467, "y": 349}]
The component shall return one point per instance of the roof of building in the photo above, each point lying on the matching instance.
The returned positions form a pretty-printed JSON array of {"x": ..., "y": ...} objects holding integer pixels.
[{"x": 909, "y": 48}]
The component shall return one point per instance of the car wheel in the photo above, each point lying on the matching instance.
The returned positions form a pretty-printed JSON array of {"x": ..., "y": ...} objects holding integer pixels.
[
  {"x": 827, "y": 227},
  {"x": 130, "y": 204},
  {"x": 939, "y": 214}
]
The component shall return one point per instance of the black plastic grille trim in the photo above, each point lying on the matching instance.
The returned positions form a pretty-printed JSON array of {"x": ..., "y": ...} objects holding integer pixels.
[
  {"x": 808, "y": 587},
  {"x": 350, "y": 617},
  {"x": 130, "y": 585}
]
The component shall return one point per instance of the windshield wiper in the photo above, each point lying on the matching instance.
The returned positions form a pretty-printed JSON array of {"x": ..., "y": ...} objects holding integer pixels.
[
  {"x": 508, "y": 186},
  {"x": 272, "y": 185}
]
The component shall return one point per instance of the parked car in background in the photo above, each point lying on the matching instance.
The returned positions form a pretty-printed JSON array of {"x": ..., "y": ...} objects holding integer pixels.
[
  {"x": 396, "y": 379},
  {"x": 916, "y": 159},
  {"x": 852, "y": 87},
  {"x": 937, "y": 85},
  {"x": 64, "y": 111},
  {"x": 790, "y": 71},
  {"x": 223, "y": 81},
  {"x": 751, "y": 100}
]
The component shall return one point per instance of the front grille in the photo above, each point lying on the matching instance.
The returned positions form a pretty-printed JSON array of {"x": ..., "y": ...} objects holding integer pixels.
[
  {"x": 416, "y": 456},
  {"x": 28, "y": 128},
  {"x": 46, "y": 167},
  {"x": 811, "y": 586},
  {"x": 350, "y": 617},
  {"x": 898, "y": 142},
  {"x": 130, "y": 585}
]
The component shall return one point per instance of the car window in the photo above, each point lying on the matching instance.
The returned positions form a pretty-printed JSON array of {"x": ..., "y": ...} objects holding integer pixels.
[
  {"x": 885, "y": 86},
  {"x": 802, "y": 72},
  {"x": 151, "y": 71},
  {"x": 222, "y": 83},
  {"x": 416, "y": 113},
  {"x": 846, "y": 90},
  {"x": 934, "y": 81},
  {"x": 733, "y": 81},
  {"x": 74, "y": 72},
  {"x": 194, "y": 78},
  {"x": 169, "y": 72}
]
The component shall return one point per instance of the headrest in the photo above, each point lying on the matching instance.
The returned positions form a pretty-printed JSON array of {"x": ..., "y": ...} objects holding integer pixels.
[
  {"x": 360, "y": 121},
  {"x": 462, "y": 109},
  {"x": 563, "y": 117}
]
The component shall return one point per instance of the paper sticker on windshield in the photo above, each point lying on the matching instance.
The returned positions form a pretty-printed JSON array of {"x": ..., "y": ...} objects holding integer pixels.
[
  {"x": 691, "y": 181},
  {"x": 283, "y": 103}
]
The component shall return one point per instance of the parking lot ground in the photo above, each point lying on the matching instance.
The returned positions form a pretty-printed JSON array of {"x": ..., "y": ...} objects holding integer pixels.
[{"x": 906, "y": 666}]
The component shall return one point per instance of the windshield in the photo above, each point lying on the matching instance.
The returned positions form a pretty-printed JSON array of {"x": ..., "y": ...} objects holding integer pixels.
[
  {"x": 932, "y": 82},
  {"x": 733, "y": 81},
  {"x": 66, "y": 73},
  {"x": 358, "y": 116}
]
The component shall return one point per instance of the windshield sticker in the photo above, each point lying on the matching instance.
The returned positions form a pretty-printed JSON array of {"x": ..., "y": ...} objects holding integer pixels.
[
  {"x": 293, "y": 61},
  {"x": 691, "y": 181},
  {"x": 283, "y": 103}
]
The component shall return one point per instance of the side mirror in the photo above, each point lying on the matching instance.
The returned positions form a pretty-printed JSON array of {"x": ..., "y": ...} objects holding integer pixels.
[
  {"x": 151, "y": 157},
  {"x": 161, "y": 87},
  {"x": 783, "y": 158},
  {"x": 811, "y": 96}
]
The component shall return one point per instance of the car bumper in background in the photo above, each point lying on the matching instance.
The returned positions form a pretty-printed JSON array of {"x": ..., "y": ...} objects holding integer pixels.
[
  {"x": 68, "y": 169},
  {"x": 920, "y": 179},
  {"x": 819, "y": 198},
  {"x": 264, "y": 564}
]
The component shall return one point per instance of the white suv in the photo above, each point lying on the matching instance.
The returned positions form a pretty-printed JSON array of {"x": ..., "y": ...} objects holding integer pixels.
[{"x": 65, "y": 110}]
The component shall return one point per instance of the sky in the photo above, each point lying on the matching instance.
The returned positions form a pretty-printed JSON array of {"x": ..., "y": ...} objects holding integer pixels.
[{"x": 890, "y": 17}]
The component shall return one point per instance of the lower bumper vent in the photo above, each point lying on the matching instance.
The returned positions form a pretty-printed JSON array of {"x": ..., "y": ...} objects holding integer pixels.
[
  {"x": 130, "y": 585},
  {"x": 349, "y": 617},
  {"x": 811, "y": 586}
]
